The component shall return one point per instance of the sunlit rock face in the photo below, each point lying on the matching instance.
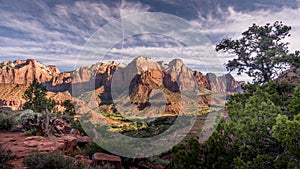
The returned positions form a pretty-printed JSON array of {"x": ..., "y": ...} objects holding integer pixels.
[{"x": 139, "y": 78}]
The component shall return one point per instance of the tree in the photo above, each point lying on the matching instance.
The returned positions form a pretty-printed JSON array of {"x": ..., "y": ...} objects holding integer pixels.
[
  {"x": 69, "y": 107},
  {"x": 294, "y": 103},
  {"x": 36, "y": 99},
  {"x": 261, "y": 52},
  {"x": 258, "y": 133},
  {"x": 287, "y": 132}
]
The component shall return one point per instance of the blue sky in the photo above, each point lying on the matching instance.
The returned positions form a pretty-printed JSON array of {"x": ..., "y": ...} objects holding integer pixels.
[{"x": 54, "y": 32}]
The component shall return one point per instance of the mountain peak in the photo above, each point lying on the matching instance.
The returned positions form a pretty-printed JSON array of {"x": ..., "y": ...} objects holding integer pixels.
[
  {"x": 143, "y": 64},
  {"x": 142, "y": 59},
  {"x": 176, "y": 63},
  {"x": 24, "y": 71}
]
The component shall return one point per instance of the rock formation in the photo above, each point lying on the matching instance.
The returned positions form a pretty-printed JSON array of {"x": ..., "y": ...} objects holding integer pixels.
[
  {"x": 290, "y": 76},
  {"x": 141, "y": 74}
]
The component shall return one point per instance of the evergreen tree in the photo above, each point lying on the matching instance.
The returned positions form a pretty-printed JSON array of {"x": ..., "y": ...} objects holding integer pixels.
[
  {"x": 287, "y": 132},
  {"x": 36, "y": 99},
  {"x": 247, "y": 139},
  {"x": 262, "y": 53},
  {"x": 69, "y": 107}
]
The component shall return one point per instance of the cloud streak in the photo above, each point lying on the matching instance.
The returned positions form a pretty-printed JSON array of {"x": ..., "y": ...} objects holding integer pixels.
[
  {"x": 232, "y": 23},
  {"x": 55, "y": 31}
]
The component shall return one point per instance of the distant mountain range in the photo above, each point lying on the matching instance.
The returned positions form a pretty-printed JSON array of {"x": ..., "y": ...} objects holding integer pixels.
[{"x": 142, "y": 73}]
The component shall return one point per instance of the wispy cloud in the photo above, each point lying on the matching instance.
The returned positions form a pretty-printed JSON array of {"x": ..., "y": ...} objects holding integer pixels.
[
  {"x": 55, "y": 33},
  {"x": 231, "y": 23},
  {"x": 52, "y": 32}
]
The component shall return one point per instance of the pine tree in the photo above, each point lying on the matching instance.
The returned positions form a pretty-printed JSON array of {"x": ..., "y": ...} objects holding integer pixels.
[
  {"x": 36, "y": 99},
  {"x": 261, "y": 52}
]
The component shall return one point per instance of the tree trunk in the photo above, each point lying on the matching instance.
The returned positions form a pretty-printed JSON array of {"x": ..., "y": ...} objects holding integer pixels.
[{"x": 47, "y": 123}]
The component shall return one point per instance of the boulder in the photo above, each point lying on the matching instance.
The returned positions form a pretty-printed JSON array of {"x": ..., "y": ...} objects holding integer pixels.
[
  {"x": 84, "y": 159},
  {"x": 70, "y": 144},
  {"x": 102, "y": 158}
]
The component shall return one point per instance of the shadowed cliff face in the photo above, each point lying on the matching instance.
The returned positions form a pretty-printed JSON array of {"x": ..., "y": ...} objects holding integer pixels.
[{"x": 142, "y": 76}]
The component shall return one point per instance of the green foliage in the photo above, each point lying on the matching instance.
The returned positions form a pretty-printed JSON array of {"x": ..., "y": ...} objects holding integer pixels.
[
  {"x": 187, "y": 158},
  {"x": 70, "y": 108},
  {"x": 294, "y": 103},
  {"x": 92, "y": 148},
  {"x": 103, "y": 166},
  {"x": 77, "y": 125},
  {"x": 36, "y": 99},
  {"x": 250, "y": 128},
  {"x": 27, "y": 118},
  {"x": 51, "y": 161},
  {"x": 5, "y": 157},
  {"x": 257, "y": 135},
  {"x": 8, "y": 118},
  {"x": 287, "y": 132},
  {"x": 279, "y": 93},
  {"x": 58, "y": 160},
  {"x": 6, "y": 121},
  {"x": 262, "y": 52},
  {"x": 32, "y": 132},
  {"x": 69, "y": 116},
  {"x": 157, "y": 160}
]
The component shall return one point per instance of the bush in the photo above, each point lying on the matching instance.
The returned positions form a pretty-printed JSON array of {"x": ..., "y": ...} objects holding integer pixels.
[
  {"x": 57, "y": 160},
  {"x": 28, "y": 117},
  {"x": 32, "y": 132},
  {"x": 51, "y": 161},
  {"x": 7, "y": 118},
  {"x": 92, "y": 148},
  {"x": 5, "y": 157},
  {"x": 6, "y": 122}
]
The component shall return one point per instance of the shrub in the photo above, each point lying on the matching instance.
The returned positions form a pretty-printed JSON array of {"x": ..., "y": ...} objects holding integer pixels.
[
  {"x": 5, "y": 157},
  {"x": 103, "y": 166},
  {"x": 52, "y": 161},
  {"x": 7, "y": 118},
  {"x": 28, "y": 117},
  {"x": 92, "y": 148},
  {"x": 6, "y": 121},
  {"x": 31, "y": 132},
  {"x": 57, "y": 160}
]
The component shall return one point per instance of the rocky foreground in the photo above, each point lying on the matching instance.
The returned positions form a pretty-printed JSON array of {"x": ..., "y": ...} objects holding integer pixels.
[{"x": 22, "y": 146}]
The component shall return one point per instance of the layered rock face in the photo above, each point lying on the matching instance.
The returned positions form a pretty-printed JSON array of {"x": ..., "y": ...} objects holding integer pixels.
[
  {"x": 140, "y": 77},
  {"x": 24, "y": 71},
  {"x": 291, "y": 76}
]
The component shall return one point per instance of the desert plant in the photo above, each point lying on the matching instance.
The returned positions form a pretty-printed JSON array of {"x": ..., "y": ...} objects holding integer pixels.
[
  {"x": 6, "y": 121},
  {"x": 7, "y": 118},
  {"x": 5, "y": 157},
  {"x": 31, "y": 132},
  {"x": 92, "y": 148},
  {"x": 102, "y": 166},
  {"x": 57, "y": 160},
  {"x": 54, "y": 160},
  {"x": 27, "y": 118}
]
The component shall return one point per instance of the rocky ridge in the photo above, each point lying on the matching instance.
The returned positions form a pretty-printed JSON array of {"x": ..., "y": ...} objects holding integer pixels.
[{"x": 17, "y": 75}]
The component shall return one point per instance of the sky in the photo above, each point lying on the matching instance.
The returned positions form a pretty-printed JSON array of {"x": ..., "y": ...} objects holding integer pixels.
[{"x": 60, "y": 32}]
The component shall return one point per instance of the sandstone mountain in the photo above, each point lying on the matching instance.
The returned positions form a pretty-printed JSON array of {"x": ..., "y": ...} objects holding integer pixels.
[
  {"x": 175, "y": 76},
  {"x": 291, "y": 76}
]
